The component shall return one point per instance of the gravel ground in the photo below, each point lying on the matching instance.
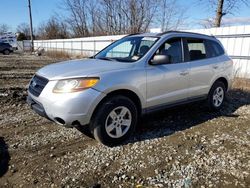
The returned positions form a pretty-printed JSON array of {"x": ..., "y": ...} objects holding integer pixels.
[{"x": 186, "y": 146}]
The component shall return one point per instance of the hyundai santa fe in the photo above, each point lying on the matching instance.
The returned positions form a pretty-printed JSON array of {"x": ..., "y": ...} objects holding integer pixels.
[{"x": 133, "y": 76}]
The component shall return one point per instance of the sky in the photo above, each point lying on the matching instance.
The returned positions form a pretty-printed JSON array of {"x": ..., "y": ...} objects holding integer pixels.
[{"x": 14, "y": 12}]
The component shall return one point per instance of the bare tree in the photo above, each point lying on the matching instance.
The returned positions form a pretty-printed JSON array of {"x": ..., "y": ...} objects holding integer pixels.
[
  {"x": 206, "y": 23},
  {"x": 224, "y": 7},
  {"x": 78, "y": 16},
  {"x": 112, "y": 20},
  {"x": 24, "y": 28},
  {"x": 141, "y": 13},
  {"x": 4, "y": 28},
  {"x": 109, "y": 17},
  {"x": 131, "y": 16},
  {"x": 171, "y": 15},
  {"x": 53, "y": 29},
  {"x": 219, "y": 13},
  {"x": 94, "y": 14},
  {"x": 88, "y": 17}
]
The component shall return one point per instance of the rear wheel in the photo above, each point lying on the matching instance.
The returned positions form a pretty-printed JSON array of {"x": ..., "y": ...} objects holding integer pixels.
[
  {"x": 6, "y": 52},
  {"x": 216, "y": 96},
  {"x": 114, "y": 121}
]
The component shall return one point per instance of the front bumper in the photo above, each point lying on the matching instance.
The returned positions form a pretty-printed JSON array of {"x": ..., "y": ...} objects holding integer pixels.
[
  {"x": 67, "y": 109},
  {"x": 35, "y": 106}
]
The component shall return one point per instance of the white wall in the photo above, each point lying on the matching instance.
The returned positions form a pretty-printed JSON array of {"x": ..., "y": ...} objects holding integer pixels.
[
  {"x": 87, "y": 45},
  {"x": 235, "y": 45}
]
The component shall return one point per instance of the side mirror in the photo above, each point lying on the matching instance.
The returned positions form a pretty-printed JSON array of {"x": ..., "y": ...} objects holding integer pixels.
[{"x": 160, "y": 59}]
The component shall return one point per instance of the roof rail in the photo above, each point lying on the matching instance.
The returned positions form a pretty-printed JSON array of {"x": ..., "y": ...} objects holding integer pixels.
[
  {"x": 173, "y": 31},
  {"x": 133, "y": 34},
  {"x": 166, "y": 32}
]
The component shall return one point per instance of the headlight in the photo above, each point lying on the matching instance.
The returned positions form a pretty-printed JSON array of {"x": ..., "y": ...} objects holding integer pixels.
[{"x": 74, "y": 85}]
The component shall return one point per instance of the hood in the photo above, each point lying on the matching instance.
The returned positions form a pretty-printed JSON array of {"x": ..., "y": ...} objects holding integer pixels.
[{"x": 79, "y": 68}]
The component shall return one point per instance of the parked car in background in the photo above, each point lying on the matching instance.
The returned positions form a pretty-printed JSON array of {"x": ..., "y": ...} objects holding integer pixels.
[
  {"x": 5, "y": 48},
  {"x": 135, "y": 75},
  {"x": 10, "y": 38}
]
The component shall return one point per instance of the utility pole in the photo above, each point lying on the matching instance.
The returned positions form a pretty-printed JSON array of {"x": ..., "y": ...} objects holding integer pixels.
[{"x": 31, "y": 27}]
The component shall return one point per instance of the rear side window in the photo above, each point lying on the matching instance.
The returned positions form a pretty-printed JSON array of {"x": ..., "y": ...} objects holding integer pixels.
[
  {"x": 214, "y": 49},
  {"x": 196, "y": 49}
]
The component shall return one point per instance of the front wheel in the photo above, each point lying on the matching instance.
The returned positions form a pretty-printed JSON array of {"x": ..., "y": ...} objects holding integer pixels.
[
  {"x": 114, "y": 121},
  {"x": 216, "y": 96}
]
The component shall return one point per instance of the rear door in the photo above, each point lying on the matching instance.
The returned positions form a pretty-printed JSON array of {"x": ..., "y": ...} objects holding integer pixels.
[
  {"x": 168, "y": 83},
  {"x": 202, "y": 67}
]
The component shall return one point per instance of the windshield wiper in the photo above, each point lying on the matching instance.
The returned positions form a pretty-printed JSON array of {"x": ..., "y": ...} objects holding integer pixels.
[
  {"x": 124, "y": 60},
  {"x": 106, "y": 58}
]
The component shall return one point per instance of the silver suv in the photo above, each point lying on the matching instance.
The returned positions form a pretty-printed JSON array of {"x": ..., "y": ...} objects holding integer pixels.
[{"x": 133, "y": 76}]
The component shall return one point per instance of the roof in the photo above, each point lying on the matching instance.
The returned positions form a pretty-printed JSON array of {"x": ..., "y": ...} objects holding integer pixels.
[{"x": 168, "y": 32}]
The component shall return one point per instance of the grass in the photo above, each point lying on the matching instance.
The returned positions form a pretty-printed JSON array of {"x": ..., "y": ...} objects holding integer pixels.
[
  {"x": 241, "y": 83},
  {"x": 58, "y": 54},
  {"x": 65, "y": 55}
]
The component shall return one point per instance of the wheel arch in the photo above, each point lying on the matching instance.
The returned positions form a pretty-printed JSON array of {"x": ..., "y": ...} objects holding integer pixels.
[
  {"x": 223, "y": 80},
  {"x": 123, "y": 92}
]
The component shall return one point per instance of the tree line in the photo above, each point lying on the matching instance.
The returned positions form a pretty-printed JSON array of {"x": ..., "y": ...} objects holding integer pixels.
[{"x": 83, "y": 18}]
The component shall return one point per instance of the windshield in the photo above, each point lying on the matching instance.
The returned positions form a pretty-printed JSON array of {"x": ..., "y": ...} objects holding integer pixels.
[{"x": 128, "y": 49}]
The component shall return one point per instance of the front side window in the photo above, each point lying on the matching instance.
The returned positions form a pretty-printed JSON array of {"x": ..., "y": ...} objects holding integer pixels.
[
  {"x": 196, "y": 49},
  {"x": 128, "y": 49},
  {"x": 173, "y": 49}
]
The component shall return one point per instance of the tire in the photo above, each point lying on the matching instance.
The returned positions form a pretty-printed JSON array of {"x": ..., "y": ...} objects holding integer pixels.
[
  {"x": 115, "y": 121},
  {"x": 85, "y": 130},
  {"x": 6, "y": 52},
  {"x": 216, "y": 96}
]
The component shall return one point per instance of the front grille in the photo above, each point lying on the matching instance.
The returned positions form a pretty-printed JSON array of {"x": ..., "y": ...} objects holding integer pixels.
[{"x": 37, "y": 85}]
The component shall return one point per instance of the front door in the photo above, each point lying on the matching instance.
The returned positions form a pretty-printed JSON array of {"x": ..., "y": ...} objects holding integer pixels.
[{"x": 168, "y": 83}]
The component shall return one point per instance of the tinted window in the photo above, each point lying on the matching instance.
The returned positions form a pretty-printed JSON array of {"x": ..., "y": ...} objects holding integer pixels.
[
  {"x": 196, "y": 49},
  {"x": 214, "y": 49},
  {"x": 173, "y": 49}
]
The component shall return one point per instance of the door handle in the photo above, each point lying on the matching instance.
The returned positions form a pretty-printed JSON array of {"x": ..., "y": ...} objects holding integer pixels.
[
  {"x": 183, "y": 73},
  {"x": 215, "y": 66}
]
